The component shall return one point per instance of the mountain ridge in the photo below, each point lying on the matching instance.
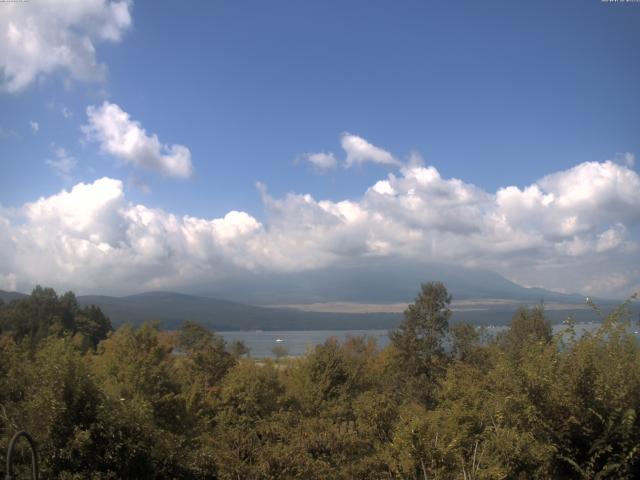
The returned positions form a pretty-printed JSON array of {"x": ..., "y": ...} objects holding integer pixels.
[
  {"x": 382, "y": 280},
  {"x": 273, "y": 301}
]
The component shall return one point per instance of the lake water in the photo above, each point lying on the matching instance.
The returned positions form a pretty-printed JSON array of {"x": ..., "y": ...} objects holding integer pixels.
[
  {"x": 297, "y": 342},
  {"x": 262, "y": 343}
]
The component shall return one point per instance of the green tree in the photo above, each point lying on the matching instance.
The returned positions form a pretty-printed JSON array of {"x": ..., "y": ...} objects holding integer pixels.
[
  {"x": 53, "y": 395},
  {"x": 43, "y": 313},
  {"x": 327, "y": 380},
  {"x": 527, "y": 326},
  {"x": 132, "y": 365},
  {"x": 249, "y": 395},
  {"x": 143, "y": 423},
  {"x": 418, "y": 349},
  {"x": 207, "y": 354},
  {"x": 467, "y": 345}
]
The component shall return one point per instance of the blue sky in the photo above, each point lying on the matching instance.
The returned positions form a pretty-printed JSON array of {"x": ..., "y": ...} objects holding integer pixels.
[{"x": 495, "y": 94}]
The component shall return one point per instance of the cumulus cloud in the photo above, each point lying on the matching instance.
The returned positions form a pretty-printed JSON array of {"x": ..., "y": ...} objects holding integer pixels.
[
  {"x": 360, "y": 151},
  {"x": 321, "y": 162},
  {"x": 576, "y": 201},
  {"x": 40, "y": 38},
  {"x": 35, "y": 126},
  {"x": 571, "y": 230},
  {"x": 125, "y": 139}
]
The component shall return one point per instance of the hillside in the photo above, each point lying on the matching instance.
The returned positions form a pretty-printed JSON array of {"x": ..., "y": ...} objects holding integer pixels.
[
  {"x": 383, "y": 280},
  {"x": 171, "y": 309},
  {"x": 8, "y": 296}
]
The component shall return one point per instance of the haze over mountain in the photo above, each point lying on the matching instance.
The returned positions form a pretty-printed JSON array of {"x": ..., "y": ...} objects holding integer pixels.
[
  {"x": 376, "y": 280},
  {"x": 386, "y": 286}
]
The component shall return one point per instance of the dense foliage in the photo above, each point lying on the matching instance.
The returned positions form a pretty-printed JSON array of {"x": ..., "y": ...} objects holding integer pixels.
[{"x": 439, "y": 402}]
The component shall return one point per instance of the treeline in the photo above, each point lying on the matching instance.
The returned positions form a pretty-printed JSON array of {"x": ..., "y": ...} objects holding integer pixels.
[{"x": 144, "y": 403}]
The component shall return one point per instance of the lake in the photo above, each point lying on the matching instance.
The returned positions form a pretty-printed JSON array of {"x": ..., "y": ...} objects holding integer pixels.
[
  {"x": 261, "y": 343},
  {"x": 297, "y": 342}
]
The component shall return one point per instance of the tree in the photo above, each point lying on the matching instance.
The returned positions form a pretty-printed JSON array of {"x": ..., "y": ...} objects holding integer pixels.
[
  {"x": 206, "y": 351},
  {"x": 324, "y": 380},
  {"x": 44, "y": 313},
  {"x": 53, "y": 395},
  {"x": 466, "y": 345},
  {"x": 238, "y": 348},
  {"x": 279, "y": 351},
  {"x": 248, "y": 396},
  {"x": 418, "y": 343},
  {"x": 526, "y": 326},
  {"x": 133, "y": 365},
  {"x": 92, "y": 324}
]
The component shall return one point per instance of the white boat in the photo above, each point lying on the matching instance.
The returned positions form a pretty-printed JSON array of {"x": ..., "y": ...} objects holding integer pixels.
[{"x": 279, "y": 340}]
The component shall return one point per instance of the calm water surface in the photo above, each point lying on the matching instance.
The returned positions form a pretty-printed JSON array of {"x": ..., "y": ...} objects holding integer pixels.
[
  {"x": 297, "y": 342},
  {"x": 261, "y": 343}
]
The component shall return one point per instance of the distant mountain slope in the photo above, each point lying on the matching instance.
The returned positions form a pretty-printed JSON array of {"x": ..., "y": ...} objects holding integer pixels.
[
  {"x": 6, "y": 297},
  {"x": 171, "y": 309},
  {"x": 384, "y": 280}
]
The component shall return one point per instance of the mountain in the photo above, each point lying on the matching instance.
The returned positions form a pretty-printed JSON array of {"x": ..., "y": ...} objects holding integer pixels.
[
  {"x": 6, "y": 297},
  {"x": 383, "y": 280},
  {"x": 171, "y": 309},
  {"x": 376, "y": 281}
]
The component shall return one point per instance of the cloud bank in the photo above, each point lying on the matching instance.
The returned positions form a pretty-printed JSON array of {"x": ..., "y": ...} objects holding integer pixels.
[
  {"x": 571, "y": 230},
  {"x": 40, "y": 38},
  {"x": 124, "y": 138}
]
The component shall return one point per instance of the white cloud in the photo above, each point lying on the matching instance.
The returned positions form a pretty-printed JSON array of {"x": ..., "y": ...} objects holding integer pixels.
[
  {"x": 575, "y": 201},
  {"x": 629, "y": 159},
  {"x": 87, "y": 211},
  {"x": 7, "y": 132},
  {"x": 321, "y": 161},
  {"x": 614, "y": 282},
  {"x": 35, "y": 126},
  {"x": 383, "y": 187},
  {"x": 572, "y": 230},
  {"x": 8, "y": 282},
  {"x": 63, "y": 164},
  {"x": 40, "y": 38},
  {"x": 360, "y": 151},
  {"x": 125, "y": 139}
]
